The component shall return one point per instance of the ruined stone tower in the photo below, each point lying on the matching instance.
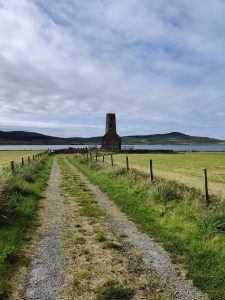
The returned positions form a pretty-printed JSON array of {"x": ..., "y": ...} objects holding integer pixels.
[{"x": 111, "y": 140}]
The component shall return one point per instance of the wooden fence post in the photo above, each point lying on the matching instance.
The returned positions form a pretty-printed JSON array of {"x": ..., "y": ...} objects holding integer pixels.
[
  {"x": 22, "y": 162},
  {"x": 127, "y": 163},
  {"x": 90, "y": 155},
  {"x": 96, "y": 157},
  {"x": 28, "y": 159},
  {"x": 33, "y": 157},
  {"x": 103, "y": 158},
  {"x": 151, "y": 170},
  {"x": 112, "y": 160},
  {"x": 12, "y": 167},
  {"x": 205, "y": 185},
  {"x": 87, "y": 157}
]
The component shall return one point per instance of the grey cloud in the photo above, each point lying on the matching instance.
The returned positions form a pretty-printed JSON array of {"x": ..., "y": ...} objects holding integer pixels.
[{"x": 151, "y": 62}]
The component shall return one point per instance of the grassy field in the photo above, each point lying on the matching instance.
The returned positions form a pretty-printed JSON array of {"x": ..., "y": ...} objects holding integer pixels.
[
  {"x": 18, "y": 207},
  {"x": 7, "y": 156},
  {"x": 175, "y": 216},
  {"x": 184, "y": 167}
]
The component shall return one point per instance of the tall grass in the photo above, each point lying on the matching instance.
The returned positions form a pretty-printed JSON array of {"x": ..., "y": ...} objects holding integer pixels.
[
  {"x": 19, "y": 200},
  {"x": 174, "y": 215}
]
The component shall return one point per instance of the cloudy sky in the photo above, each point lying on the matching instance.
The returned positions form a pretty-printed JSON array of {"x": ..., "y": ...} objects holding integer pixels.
[{"x": 158, "y": 64}]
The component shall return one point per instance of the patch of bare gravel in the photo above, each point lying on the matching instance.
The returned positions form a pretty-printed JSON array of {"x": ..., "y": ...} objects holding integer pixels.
[
  {"x": 44, "y": 275},
  {"x": 172, "y": 280}
]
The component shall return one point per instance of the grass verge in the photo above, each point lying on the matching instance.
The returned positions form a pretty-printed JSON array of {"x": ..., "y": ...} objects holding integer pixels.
[
  {"x": 19, "y": 200},
  {"x": 174, "y": 215}
]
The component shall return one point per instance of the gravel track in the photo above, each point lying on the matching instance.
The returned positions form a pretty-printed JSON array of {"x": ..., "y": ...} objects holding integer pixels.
[
  {"x": 173, "y": 282},
  {"x": 45, "y": 278}
]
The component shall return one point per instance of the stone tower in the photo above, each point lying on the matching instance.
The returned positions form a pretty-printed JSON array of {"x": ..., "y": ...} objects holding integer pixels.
[{"x": 111, "y": 140}]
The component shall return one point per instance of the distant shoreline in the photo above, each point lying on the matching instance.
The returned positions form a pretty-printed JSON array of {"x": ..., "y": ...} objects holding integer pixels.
[
  {"x": 131, "y": 148},
  {"x": 24, "y": 143}
]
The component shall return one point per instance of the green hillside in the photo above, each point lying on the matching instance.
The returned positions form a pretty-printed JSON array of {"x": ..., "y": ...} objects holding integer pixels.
[{"x": 173, "y": 138}]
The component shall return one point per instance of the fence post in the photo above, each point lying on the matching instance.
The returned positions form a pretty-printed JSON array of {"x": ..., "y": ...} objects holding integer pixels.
[
  {"x": 87, "y": 157},
  {"x": 28, "y": 159},
  {"x": 33, "y": 157},
  {"x": 90, "y": 155},
  {"x": 151, "y": 170},
  {"x": 112, "y": 160},
  {"x": 103, "y": 158},
  {"x": 96, "y": 157},
  {"x": 205, "y": 185},
  {"x": 22, "y": 163},
  {"x": 127, "y": 163},
  {"x": 12, "y": 167}
]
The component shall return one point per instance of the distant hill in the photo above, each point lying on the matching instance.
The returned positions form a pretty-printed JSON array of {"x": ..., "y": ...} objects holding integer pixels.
[
  {"x": 173, "y": 138},
  {"x": 23, "y": 137}
]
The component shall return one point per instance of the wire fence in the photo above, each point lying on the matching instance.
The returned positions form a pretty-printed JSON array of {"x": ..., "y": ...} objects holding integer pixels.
[
  {"x": 10, "y": 168},
  {"x": 201, "y": 181}
]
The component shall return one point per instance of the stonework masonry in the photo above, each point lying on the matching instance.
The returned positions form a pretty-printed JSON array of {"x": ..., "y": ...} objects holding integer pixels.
[{"x": 111, "y": 141}]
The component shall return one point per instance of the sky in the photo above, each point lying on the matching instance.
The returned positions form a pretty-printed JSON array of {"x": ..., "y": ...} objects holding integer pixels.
[{"x": 158, "y": 64}]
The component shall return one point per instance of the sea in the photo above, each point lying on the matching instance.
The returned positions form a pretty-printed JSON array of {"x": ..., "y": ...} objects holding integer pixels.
[{"x": 183, "y": 148}]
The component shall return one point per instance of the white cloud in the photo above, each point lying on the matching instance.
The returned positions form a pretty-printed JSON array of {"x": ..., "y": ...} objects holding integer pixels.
[{"x": 158, "y": 64}]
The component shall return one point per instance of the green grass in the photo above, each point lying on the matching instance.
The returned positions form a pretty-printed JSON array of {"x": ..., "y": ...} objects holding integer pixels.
[
  {"x": 100, "y": 236},
  {"x": 190, "y": 164},
  {"x": 174, "y": 215},
  {"x": 19, "y": 200},
  {"x": 85, "y": 196},
  {"x": 184, "y": 167}
]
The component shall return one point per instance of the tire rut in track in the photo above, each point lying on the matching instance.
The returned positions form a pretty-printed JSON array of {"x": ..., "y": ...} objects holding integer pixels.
[{"x": 45, "y": 277}]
